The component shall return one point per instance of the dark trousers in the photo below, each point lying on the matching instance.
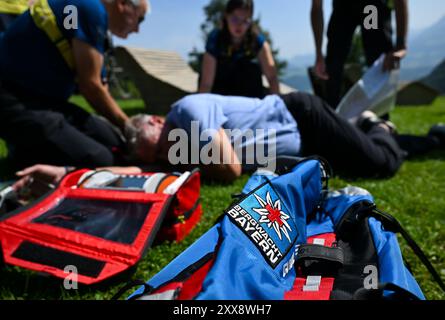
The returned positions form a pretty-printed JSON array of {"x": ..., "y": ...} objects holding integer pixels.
[
  {"x": 40, "y": 130},
  {"x": 346, "y": 17},
  {"x": 347, "y": 148}
]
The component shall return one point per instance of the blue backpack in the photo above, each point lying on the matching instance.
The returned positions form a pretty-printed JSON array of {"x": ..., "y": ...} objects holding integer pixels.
[{"x": 287, "y": 237}]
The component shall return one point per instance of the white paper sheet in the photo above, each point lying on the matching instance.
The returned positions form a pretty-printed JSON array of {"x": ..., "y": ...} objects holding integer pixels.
[{"x": 376, "y": 91}]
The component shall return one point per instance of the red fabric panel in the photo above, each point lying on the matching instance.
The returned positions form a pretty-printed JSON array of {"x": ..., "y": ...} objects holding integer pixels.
[
  {"x": 187, "y": 195},
  {"x": 118, "y": 257},
  {"x": 179, "y": 231},
  {"x": 10, "y": 242},
  {"x": 329, "y": 239},
  {"x": 297, "y": 292},
  {"x": 185, "y": 199},
  {"x": 326, "y": 285},
  {"x": 193, "y": 285}
]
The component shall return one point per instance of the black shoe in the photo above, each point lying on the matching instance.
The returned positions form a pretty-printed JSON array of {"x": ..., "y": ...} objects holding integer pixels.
[
  {"x": 369, "y": 119},
  {"x": 438, "y": 131}
]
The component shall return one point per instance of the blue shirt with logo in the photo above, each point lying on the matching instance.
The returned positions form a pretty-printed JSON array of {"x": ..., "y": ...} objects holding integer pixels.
[
  {"x": 263, "y": 118},
  {"x": 30, "y": 61}
]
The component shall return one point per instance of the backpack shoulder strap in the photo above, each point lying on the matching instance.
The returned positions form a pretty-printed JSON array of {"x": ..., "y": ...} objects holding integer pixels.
[
  {"x": 391, "y": 224},
  {"x": 45, "y": 20},
  {"x": 15, "y": 7}
]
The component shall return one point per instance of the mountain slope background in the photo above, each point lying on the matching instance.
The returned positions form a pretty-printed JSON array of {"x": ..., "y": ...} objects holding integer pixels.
[
  {"x": 426, "y": 52},
  {"x": 437, "y": 78}
]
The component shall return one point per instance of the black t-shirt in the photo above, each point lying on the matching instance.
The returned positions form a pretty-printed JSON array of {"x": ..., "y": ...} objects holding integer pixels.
[{"x": 354, "y": 9}]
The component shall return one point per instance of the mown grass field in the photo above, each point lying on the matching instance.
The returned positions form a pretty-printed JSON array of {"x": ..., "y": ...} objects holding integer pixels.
[{"x": 415, "y": 196}]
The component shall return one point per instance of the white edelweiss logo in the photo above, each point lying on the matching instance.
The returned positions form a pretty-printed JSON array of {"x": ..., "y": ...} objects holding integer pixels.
[{"x": 272, "y": 215}]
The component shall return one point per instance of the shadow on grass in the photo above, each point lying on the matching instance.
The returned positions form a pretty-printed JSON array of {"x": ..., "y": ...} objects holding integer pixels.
[{"x": 437, "y": 155}]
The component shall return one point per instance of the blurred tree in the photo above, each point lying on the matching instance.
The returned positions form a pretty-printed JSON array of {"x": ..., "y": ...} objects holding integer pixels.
[{"x": 214, "y": 12}]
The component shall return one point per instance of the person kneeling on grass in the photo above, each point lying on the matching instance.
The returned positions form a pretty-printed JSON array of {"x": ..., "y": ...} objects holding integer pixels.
[
  {"x": 302, "y": 125},
  {"x": 42, "y": 62}
]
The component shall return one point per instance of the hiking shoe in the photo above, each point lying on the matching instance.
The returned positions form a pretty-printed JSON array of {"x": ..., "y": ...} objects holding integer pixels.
[
  {"x": 438, "y": 131},
  {"x": 369, "y": 119}
]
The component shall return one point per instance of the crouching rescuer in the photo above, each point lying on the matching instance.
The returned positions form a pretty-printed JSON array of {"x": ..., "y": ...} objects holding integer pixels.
[{"x": 48, "y": 49}]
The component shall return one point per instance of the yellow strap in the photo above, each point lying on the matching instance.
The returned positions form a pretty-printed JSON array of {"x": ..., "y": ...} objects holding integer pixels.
[
  {"x": 45, "y": 20},
  {"x": 14, "y": 6}
]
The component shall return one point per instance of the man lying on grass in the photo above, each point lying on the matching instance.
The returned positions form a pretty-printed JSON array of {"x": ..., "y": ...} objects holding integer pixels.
[{"x": 229, "y": 135}]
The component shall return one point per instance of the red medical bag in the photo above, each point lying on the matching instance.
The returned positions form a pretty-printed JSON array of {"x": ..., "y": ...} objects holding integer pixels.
[{"x": 100, "y": 231}]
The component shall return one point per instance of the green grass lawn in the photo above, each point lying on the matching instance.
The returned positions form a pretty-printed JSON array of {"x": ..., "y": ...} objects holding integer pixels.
[{"x": 415, "y": 196}]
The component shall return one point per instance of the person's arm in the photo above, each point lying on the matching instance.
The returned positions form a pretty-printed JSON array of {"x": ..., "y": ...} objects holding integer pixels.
[
  {"x": 88, "y": 67},
  {"x": 46, "y": 174},
  {"x": 123, "y": 170},
  {"x": 268, "y": 67},
  {"x": 51, "y": 175},
  {"x": 208, "y": 73},
  {"x": 402, "y": 20},
  {"x": 317, "y": 21},
  {"x": 392, "y": 59},
  {"x": 229, "y": 167}
]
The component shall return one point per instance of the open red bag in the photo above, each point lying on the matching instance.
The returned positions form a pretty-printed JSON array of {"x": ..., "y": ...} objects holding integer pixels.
[{"x": 102, "y": 230}]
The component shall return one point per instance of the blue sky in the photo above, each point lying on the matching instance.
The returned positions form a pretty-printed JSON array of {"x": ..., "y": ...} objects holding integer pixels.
[{"x": 174, "y": 24}]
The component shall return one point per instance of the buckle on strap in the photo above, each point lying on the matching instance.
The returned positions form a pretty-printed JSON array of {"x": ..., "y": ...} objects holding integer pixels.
[{"x": 314, "y": 259}]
